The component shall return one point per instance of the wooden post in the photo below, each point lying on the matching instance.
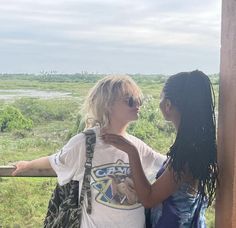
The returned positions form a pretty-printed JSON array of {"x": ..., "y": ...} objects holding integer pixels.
[{"x": 226, "y": 195}]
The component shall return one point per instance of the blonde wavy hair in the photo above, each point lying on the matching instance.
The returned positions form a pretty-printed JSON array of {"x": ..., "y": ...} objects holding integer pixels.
[{"x": 96, "y": 108}]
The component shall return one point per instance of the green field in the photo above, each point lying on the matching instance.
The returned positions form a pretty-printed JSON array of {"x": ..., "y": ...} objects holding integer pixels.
[{"x": 39, "y": 127}]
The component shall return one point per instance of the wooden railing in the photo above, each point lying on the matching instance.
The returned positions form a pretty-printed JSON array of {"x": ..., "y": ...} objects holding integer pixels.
[{"x": 6, "y": 171}]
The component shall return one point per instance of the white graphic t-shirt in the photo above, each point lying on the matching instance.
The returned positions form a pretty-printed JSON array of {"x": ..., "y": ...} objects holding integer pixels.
[{"x": 114, "y": 200}]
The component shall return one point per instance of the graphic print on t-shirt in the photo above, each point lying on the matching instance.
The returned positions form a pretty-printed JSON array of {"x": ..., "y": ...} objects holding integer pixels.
[{"x": 115, "y": 186}]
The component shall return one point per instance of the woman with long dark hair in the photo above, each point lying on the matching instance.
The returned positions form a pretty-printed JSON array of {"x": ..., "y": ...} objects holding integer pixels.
[{"x": 186, "y": 183}]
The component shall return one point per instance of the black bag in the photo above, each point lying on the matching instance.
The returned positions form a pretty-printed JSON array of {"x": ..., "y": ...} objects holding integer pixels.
[{"x": 65, "y": 206}]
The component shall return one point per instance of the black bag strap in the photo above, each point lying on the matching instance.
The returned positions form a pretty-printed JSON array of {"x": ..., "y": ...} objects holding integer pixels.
[{"x": 86, "y": 188}]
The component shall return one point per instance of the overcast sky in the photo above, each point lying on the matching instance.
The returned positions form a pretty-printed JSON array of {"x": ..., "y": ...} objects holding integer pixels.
[{"x": 109, "y": 36}]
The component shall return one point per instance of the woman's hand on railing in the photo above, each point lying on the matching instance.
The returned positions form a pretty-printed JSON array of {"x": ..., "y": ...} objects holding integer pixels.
[{"x": 37, "y": 164}]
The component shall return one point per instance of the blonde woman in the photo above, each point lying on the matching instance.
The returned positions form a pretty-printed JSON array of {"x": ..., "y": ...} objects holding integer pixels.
[{"x": 110, "y": 106}]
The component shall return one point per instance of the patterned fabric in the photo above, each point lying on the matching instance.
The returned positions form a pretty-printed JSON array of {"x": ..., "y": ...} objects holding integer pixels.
[
  {"x": 64, "y": 211},
  {"x": 183, "y": 209}
]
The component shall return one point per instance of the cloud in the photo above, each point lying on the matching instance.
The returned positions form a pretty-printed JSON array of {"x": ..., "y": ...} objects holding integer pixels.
[{"x": 100, "y": 29}]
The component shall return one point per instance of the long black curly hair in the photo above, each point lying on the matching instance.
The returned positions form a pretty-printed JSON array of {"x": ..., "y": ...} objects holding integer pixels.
[{"x": 194, "y": 148}]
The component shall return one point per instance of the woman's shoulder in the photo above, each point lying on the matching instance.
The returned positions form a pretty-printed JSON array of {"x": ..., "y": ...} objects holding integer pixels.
[
  {"x": 140, "y": 144},
  {"x": 80, "y": 137},
  {"x": 135, "y": 140},
  {"x": 76, "y": 139},
  {"x": 144, "y": 148}
]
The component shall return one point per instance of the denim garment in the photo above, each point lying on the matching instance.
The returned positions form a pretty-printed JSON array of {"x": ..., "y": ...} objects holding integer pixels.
[{"x": 180, "y": 210}]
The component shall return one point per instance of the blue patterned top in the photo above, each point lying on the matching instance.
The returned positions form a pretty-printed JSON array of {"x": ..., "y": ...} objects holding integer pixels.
[{"x": 180, "y": 210}]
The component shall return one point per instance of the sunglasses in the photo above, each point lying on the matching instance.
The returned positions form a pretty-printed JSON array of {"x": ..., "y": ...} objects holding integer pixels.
[{"x": 132, "y": 102}]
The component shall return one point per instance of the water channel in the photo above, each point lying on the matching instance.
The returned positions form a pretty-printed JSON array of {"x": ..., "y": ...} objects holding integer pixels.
[{"x": 13, "y": 94}]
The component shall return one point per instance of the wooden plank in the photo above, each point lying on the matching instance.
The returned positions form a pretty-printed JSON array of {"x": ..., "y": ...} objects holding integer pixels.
[
  {"x": 226, "y": 194},
  {"x": 6, "y": 171}
]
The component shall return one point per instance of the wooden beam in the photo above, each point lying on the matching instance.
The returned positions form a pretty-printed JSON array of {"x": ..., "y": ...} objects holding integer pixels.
[
  {"x": 6, "y": 171},
  {"x": 226, "y": 194}
]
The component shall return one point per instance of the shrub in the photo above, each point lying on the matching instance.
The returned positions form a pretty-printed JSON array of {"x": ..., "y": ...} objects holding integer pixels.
[
  {"x": 45, "y": 110},
  {"x": 12, "y": 119},
  {"x": 78, "y": 127}
]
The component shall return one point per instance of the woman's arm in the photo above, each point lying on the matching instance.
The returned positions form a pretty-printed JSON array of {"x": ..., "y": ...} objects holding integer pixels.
[
  {"x": 40, "y": 163},
  {"x": 149, "y": 194}
]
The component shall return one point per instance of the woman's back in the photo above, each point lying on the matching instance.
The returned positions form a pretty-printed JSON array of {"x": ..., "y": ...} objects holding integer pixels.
[{"x": 182, "y": 209}]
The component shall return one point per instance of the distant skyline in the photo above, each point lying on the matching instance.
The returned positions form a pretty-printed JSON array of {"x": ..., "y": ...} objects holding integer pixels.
[{"x": 108, "y": 36}]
